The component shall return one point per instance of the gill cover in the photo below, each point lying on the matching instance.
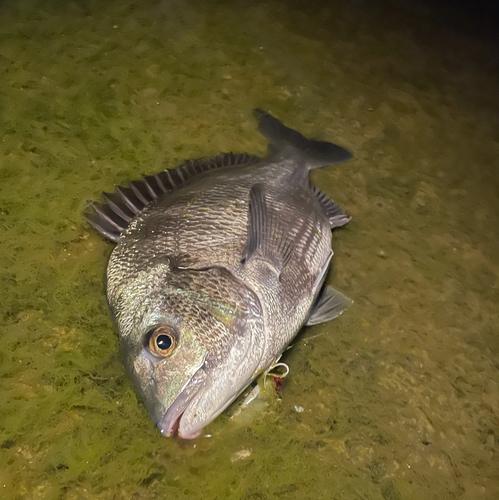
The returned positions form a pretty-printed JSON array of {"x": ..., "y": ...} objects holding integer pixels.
[{"x": 219, "y": 342}]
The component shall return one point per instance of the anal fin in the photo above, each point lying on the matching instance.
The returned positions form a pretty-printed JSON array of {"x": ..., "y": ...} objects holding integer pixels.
[
  {"x": 329, "y": 305},
  {"x": 267, "y": 239},
  {"x": 331, "y": 209}
]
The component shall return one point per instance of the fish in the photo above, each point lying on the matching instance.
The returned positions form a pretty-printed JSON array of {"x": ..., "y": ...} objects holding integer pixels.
[{"x": 218, "y": 265}]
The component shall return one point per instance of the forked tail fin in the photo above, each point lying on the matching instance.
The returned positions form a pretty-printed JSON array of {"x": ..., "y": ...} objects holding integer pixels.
[{"x": 288, "y": 141}]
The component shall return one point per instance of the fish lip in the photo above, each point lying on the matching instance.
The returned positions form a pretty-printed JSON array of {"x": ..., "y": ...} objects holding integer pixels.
[{"x": 169, "y": 423}]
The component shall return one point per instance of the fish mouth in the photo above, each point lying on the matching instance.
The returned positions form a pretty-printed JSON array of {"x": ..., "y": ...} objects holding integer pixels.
[
  {"x": 209, "y": 391},
  {"x": 170, "y": 423},
  {"x": 187, "y": 415},
  {"x": 170, "y": 426}
]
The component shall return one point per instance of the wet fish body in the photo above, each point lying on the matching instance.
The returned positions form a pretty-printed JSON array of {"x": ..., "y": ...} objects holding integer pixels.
[{"x": 218, "y": 265}]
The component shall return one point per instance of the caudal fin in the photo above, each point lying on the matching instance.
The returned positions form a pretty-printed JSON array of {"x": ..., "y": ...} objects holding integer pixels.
[{"x": 283, "y": 139}]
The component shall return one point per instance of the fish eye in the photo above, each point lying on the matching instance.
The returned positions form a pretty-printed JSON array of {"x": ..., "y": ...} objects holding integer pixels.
[{"x": 162, "y": 341}]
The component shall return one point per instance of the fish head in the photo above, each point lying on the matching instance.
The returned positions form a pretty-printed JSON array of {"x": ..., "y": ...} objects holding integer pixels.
[{"x": 191, "y": 340}]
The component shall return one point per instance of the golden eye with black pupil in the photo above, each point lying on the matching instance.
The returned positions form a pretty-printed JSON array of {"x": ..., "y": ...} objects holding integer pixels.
[{"x": 163, "y": 341}]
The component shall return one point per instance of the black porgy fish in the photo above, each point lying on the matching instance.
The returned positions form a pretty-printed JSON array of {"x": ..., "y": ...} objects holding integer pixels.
[{"x": 218, "y": 264}]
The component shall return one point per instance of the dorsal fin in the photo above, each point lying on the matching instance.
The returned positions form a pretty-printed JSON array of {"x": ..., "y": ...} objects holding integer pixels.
[{"x": 112, "y": 218}]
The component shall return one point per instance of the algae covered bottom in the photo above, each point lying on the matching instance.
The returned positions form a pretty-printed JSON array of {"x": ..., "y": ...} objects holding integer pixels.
[{"x": 395, "y": 400}]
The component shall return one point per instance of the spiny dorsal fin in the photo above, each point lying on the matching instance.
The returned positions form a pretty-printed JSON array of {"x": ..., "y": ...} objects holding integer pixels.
[
  {"x": 112, "y": 218},
  {"x": 266, "y": 237},
  {"x": 105, "y": 221},
  {"x": 332, "y": 210}
]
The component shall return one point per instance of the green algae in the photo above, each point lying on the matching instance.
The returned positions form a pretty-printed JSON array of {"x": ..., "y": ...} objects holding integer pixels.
[{"x": 399, "y": 395}]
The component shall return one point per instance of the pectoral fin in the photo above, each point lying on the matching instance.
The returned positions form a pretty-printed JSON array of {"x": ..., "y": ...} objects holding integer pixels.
[
  {"x": 328, "y": 306},
  {"x": 266, "y": 237}
]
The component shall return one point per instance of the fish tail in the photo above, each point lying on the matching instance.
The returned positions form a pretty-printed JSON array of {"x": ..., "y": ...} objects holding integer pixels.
[{"x": 287, "y": 141}]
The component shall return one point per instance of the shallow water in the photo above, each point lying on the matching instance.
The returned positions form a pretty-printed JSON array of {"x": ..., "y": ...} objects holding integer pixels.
[{"x": 400, "y": 395}]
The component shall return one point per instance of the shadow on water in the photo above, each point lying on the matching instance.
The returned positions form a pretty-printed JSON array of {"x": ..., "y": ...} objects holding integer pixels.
[{"x": 398, "y": 398}]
